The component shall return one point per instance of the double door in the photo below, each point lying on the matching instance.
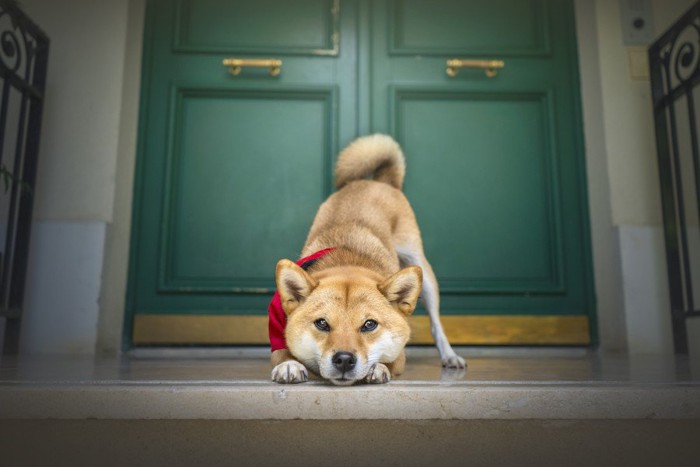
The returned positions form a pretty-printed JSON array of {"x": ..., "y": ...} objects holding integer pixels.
[{"x": 234, "y": 160}]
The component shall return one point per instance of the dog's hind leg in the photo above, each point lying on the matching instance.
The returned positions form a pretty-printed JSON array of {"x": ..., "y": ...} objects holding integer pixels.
[{"x": 412, "y": 255}]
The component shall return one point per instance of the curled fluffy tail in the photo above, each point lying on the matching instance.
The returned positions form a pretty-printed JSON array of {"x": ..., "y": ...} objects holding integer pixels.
[{"x": 378, "y": 156}]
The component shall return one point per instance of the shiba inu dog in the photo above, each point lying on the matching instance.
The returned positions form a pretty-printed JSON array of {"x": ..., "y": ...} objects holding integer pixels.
[{"x": 342, "y": 311}]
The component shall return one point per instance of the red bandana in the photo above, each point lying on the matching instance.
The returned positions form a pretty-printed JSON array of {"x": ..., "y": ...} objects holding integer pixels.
[{"x": 277, "y": 318}]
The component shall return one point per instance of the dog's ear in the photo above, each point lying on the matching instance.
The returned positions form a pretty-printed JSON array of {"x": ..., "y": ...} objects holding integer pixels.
[
  {"x": 293, "y": 284},
  {"x": 403, "y": 289}
]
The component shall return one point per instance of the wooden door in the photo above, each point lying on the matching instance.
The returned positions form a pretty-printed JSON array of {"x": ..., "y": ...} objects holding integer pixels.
[
  {"x": 495, "y": 168},
  {"x": 232, "y": 168}
]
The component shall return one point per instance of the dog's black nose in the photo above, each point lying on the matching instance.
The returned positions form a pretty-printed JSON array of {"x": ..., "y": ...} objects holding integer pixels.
[{"x": 344, "y": 361}]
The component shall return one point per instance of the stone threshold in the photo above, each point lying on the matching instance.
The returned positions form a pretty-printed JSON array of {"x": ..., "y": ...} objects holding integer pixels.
[{"x": 513, "y": 384}]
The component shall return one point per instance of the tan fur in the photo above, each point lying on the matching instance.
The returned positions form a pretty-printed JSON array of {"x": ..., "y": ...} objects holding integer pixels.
[
  {"x": 375, "y": 155},
  {"x": 368, "y": 223}
]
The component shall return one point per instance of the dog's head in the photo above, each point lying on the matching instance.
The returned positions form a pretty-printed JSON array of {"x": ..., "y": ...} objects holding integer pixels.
[{"x": 346, "y": 320}]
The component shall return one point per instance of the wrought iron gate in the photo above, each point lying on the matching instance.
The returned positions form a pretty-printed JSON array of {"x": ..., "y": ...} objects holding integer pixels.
[
  {"x": 23, "y": 59},
  {"x": 674, "y": 62}
]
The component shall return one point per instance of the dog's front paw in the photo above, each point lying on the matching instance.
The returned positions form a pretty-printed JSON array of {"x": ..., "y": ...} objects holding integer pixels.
[
  {"x": 453, "y": 361},
  {"x": 378, "y": 374},
  {"x": 290, "y": 371}
]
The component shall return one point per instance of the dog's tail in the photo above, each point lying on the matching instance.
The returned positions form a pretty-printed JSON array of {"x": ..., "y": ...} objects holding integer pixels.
[{"x": 378, "y": 156}]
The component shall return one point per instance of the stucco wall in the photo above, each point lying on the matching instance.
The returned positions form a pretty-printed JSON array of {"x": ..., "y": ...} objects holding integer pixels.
[
  {"x": 630, "y": 147},
  {"x": 629, "y": 131},
  {"x": 77, "y": 171},
  {"x": 78, "y": 156}
]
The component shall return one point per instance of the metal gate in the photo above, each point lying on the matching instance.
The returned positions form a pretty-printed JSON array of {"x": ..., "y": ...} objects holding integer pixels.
[
  {"x": 674, "y": 62},
  {"x": 23, "y": 58}
]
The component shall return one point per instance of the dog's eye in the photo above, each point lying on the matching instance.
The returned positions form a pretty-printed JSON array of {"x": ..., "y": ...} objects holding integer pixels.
[
  {"x": 370, "y": 325},
  {"x": 322, "y": 325}
]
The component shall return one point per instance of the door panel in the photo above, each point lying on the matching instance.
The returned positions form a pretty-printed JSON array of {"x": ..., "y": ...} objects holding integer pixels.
[
  {"x": 221, "y": 163},
  {"x": 503, "y": 27},
  {"x": 488, "y": 210},
  {"x": 307, "y": 27}
]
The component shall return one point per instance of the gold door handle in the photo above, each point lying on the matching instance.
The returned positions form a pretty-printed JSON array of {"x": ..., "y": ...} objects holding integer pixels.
[
  {"x": 237, "y": 64},
  {"x": 490, "y": 67}
]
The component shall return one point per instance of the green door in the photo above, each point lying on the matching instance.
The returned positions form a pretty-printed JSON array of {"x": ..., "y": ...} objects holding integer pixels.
[{"x": 231, "y": 168}]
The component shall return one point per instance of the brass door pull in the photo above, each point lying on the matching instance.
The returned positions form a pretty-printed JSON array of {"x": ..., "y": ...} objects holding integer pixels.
[
  {"x": 237, "y": 64},
  {"x": 490, "y": 67}
]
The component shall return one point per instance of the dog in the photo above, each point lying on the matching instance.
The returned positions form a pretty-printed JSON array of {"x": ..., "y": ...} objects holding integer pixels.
[{"x": 342, "y": 311}]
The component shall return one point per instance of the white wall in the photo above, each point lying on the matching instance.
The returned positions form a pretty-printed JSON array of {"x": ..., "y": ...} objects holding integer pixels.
[
  {"x": 76, "y": 173},
  {"x": 630, "y": 149},
  {"x": 605, "y": 246},
  {"x": 634, "y": 188},
  {"x": 83, "y": 103},
  {"x": 77, "y": 271},
  {"x": 113, "y": 296}
]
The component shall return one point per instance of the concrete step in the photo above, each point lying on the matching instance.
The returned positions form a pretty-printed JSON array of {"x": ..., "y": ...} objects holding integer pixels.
[
  {"x": 531, "y": 409},
  {"x": 408, "y": 400}
]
